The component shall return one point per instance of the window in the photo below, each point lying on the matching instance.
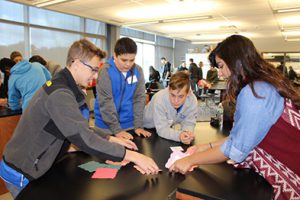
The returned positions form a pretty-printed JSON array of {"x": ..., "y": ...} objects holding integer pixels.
[
  {"x": 98, "y": 42},
  {"x": 95, "y": 27},
  {"x": 53, "y": 19},
  {"x": 51, "y": 45},
  {"x": 44, "y": 32},
  {"x": 149, "y": 58},
  {"x": 11, "y": 11},
  {"x": 12, "y": 39},
  {"x": 145, "y": 57}
]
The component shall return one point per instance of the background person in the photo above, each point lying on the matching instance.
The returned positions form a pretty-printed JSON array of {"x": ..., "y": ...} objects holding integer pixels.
[
  {"x": 5, "y": 65},
  {"x": 166, "y": 65},
  {"x": 52, "y": 67},
  {"x": 154, "y": 78},
  {"x": 212, "y": 77},
  {"x": 38, "y": 59},
  {"x": 16, "y": 56},
  {"x": 182, "y": 67},
  {"x": 292, "y": 74},
  {"x": 194, "y": 75},
  {"x": 25, "y": 79}
]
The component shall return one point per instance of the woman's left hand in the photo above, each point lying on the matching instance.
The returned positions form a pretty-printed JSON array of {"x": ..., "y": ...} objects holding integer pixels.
[{"x": 182, "y": 166}]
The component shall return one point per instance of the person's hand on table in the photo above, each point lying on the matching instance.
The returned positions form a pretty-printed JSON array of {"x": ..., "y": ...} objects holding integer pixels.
[
  {"x": 143, "y": 164},
  {"x": 122, "y": 163},
  {"x": 142, "y": 132},
  {"x": 124, "y": 142},
  {"x": 182, "y": 166},
  {"x": 186, "y": 137},
  {"x": 198, "y": 148},
  {"x": 124, "y": 135}
]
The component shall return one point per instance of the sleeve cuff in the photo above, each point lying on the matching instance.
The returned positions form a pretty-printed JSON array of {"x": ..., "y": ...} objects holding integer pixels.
[
  {"x": 116, "y": 131},
  {"x": 231, "y": 152},
  {"x": 188, "y": 128}
]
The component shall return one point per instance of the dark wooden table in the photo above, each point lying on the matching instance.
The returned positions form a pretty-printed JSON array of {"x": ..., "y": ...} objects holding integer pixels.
[
  {"x": 6, "y": 112},
  {"x": 8, "y": 122},
  {"x": 66, "y": 181}
]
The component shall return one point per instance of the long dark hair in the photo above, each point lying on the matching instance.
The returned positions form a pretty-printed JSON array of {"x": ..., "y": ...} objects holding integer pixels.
[{"x": 247, "y": 66}]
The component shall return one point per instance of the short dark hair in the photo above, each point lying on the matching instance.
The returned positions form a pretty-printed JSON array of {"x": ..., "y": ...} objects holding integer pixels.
[
  {"x": 39, "y": 59},
  {"x": 179, "y": 80},
  {"x": 191, "y": 60},
  {"x": 125, "y": 45},
  {"x": 163, "y": 58},
  {"x": 6, "y": 63},
  {"x": 15, "y": 54}
]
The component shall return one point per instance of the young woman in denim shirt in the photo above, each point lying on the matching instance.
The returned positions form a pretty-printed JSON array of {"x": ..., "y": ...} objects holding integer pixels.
[{"x": 266, "y": 130}]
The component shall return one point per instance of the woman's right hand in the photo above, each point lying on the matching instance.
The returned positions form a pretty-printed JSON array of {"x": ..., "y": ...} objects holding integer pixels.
[{"x": 144, "y": 164}]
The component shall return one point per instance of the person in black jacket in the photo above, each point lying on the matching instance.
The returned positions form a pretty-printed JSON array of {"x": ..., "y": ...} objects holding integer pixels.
[
  {"x": 212, "y": 77},
  {"x": 282, "y": 69},
  {"x": 154, "y": 75},
  {"x": 292, "y": 74},
  {"x": 182, "y": 67},
  {"x": 166, "y": 71},
  {"x": 194, "y": 74},
  {"x": 5, "y": 65},
  {"x": 154, "y": 78}
]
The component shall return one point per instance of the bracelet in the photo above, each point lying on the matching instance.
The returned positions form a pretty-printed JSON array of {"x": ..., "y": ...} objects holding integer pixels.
[{"x": 210, "y": 145}]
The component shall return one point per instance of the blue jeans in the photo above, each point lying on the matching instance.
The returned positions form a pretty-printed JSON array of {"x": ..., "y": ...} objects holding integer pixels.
[{"x": 14, "y": 190}]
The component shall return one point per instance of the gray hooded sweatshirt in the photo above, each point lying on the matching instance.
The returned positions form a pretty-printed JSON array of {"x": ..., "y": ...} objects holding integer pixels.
[{"x": 160, "y": 114}]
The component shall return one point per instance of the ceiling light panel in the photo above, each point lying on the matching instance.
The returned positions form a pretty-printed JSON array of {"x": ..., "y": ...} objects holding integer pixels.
[
  {"x": 211, "y": 36},
  {"x": 287, "y": 10},
  {"x": 163, "y": 21},
  {"x": 45, "y": 3},
  {"x": 166, "y": 10},
  {"x": 291, "y": 33},
  {"x": 214, "y": 37},
  {"x": 293, "y": 40},
  {"x": 289, "y": 20},
  {"x": 284, "y": 4},
  {"x": 206, "y": 42},
  {"x": 199, "y": 26}
]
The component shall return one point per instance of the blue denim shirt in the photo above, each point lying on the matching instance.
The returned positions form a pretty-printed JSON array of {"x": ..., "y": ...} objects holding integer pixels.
[{"x": 253, "y": 119}]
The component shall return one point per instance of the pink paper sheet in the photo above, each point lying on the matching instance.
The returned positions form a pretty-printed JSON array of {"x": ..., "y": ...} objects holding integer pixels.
[{"x": 105, "y": 173}]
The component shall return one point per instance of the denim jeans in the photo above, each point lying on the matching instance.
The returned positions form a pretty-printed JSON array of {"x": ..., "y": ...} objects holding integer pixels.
[{"x": 14, "y": 190}]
